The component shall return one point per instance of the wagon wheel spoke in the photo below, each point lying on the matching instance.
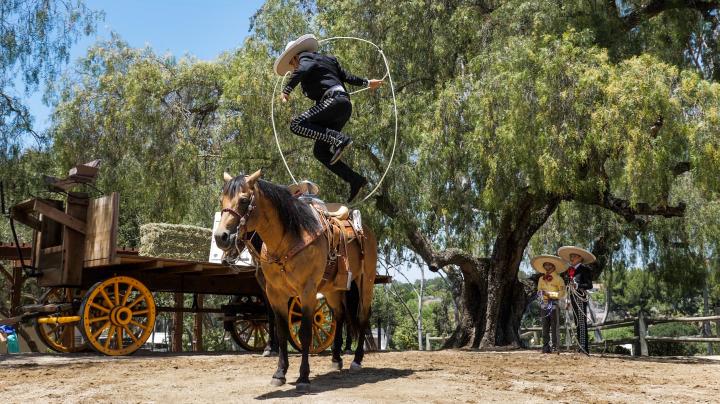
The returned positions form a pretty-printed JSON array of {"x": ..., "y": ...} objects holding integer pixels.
[
  {"x": 106, "y": 297},
  {"x": 130, "y": 333},
  {"x": 101, "y": 308},
  {"x": 96, "y": 319},
  {"x": 136, "y": 301},
  {"x": 110, "y": 334},
  {"x": 99, "y": 331},
  {"x": 127, "y": 295},
  {"x": 136, "y": 324},
  {"x": 116, "y": 287},
  {"x": 119, "y": 337},
  {"x": 140, "y": 312}
]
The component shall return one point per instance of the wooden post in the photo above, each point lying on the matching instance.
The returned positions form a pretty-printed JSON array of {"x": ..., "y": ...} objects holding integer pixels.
[
  {"x": 640, "y": 346},
  {"x": 717, "y": 323},
  {"x": 427, "y": 342},
  {"x": 379, "y": 328},
  {"x": 17, "y": 285},
  {"x": 198, "y": 334},
  {"x": 178, "y": 324}
]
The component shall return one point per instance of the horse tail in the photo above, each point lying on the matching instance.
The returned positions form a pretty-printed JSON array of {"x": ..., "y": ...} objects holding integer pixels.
[{"x": 352, "y": 305}]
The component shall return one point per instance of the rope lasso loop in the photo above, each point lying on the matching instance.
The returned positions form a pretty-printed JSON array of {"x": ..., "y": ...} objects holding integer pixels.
[{"x": 395, "y": 114}]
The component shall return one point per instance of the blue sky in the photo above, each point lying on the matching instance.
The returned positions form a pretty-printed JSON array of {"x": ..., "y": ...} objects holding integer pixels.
[{"x": 204, "y": 29}]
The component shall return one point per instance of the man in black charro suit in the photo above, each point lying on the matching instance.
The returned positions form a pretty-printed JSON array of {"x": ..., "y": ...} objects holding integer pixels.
[{"x": 578, "y": 277}]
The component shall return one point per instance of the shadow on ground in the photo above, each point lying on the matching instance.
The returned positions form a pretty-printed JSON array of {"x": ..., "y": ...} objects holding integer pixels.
[{"x": 344, "y": 379}]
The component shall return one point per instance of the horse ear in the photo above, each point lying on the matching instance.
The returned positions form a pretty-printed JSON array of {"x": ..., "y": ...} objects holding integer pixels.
[
  {"x": 227, "y": 177},
  {"x": 254, "y": 177}
]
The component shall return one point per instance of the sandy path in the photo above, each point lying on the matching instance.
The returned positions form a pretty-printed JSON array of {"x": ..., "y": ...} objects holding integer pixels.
[{"x": 444, "y": 376}]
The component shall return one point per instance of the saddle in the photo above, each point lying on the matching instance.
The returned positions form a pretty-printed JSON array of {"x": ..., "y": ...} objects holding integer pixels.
[{"x": 340, "y": 227}]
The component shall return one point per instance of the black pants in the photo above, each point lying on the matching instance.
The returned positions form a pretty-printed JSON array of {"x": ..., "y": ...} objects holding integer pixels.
[
  {"x": 580, "y": 313},
  {"x": 550, "y": 321},
  {"x": 323, "y": 123}
]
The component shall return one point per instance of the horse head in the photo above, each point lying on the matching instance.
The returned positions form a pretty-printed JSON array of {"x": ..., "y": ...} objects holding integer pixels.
[{"x": 238, "y": 202}]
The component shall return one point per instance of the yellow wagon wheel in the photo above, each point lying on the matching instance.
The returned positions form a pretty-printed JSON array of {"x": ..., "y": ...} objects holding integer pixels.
[
  {"x": 118, "y": 315},
  {"x": 251, "y": 335},
  {"x": 323, "y": 325},
  {"x": 61, "y": 332}
]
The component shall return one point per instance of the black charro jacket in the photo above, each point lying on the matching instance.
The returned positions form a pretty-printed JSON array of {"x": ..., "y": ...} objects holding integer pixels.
[
  {"x": 317, "y": 73},
  {"x": 583, "y": 277}
]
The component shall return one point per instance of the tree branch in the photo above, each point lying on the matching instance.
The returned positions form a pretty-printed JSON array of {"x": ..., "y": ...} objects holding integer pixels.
[
  {"x": 421, "y": 245},
  {"x": 656, "y": 7},
  {"x": 625, "y": 209}
]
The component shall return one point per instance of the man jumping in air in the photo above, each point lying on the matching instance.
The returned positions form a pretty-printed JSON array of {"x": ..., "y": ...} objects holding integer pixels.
[{"x": 321, "y": 78}]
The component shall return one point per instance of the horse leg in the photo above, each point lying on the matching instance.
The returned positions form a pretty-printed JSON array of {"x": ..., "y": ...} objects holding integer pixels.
[
  {"x": 308, "y": 301},
  {"x": 272, "y": 345},
  {"x": 334, "y": 300},
  {"x": 348, "y": 339},
  {"x": 281, "y": 314}
]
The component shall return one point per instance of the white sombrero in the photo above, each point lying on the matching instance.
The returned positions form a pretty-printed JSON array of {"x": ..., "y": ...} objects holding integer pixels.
[
  {"x": 538, "y": 262},
  {"x": 306, "y": 43},
  {"x": 587, "y": 256}
]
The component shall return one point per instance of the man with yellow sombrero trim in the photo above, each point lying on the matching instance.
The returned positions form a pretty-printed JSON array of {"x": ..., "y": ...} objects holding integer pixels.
[
  {"x": 322, "y": 80},
  {"x": 579, "y": 277},
  {"x": 551, "y": 289}
]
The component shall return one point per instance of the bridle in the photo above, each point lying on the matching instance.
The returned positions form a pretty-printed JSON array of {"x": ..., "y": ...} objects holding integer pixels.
[{"x": 242, "y": 219}]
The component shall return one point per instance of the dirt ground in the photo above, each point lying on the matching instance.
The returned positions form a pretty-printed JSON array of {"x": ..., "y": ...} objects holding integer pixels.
[{"x": 440, "y": 376}]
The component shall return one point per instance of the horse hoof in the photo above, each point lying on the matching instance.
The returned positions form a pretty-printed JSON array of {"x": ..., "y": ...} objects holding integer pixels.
[
  {"x": 268, "y": 353},
  {"x": 277, "y": 382},
  {"x": 302, "y": 388},
  {"x": 348, "y": 352},
  {"x": 355, "y": 366},
  {"x": 336, "y": 365}
]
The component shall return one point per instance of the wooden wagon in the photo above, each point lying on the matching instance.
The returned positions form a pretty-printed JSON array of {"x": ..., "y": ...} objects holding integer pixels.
[{"x": 100, "y": 297}]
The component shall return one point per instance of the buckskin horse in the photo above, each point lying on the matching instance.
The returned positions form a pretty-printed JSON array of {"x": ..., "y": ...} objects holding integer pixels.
[{"x": 297, "y": 250}]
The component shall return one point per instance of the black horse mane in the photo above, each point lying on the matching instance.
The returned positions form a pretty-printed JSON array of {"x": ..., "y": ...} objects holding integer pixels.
[{"x": 294, "y": 214}]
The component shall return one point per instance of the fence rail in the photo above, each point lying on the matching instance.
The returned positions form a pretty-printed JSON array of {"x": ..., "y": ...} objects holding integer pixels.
[{"x": 640, "y": 326}]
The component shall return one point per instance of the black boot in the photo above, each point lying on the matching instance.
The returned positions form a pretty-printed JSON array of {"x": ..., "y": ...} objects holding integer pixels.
[
  {"x": 340, "y": 149},
  {"x": 355, "y": 187}
]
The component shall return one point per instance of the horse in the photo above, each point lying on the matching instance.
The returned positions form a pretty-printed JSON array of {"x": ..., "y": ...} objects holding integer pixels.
[{"x": 293, "y": 261}]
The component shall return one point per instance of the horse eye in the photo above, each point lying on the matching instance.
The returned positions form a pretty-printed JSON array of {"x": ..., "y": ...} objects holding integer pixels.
[{"x": 244, "y": 199}]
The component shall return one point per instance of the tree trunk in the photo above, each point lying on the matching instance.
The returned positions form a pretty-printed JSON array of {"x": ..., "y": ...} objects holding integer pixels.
[{"x": 493, "y": 298}]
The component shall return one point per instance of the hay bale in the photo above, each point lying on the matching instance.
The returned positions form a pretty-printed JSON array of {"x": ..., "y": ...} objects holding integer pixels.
[{"x": 175, "y": 241}]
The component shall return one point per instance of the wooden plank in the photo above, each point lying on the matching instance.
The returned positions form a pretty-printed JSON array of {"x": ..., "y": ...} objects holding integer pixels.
[
  {"x": 682, "y": 319},
  {"x": 83, "y": 171},
  {"x": 683, "y": 339},
  {"x": 59, "y": 216},
  {"x": 101, "y": 239},
  {"x": 144, "y": 265},
  {"x": 181, "y": 269},
  {"x": 217, "y": 272},
  {"x": 52, "y": 250},
  {"x": 167, "y": 309},
  {"x": 73, "y": 241}
]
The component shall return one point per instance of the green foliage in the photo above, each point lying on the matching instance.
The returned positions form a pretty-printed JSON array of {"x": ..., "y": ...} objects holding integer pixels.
[{"x": 35, "y": 41}]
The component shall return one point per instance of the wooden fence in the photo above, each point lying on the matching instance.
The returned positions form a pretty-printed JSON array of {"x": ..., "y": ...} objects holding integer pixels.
[{"x": 640, "y": 339}]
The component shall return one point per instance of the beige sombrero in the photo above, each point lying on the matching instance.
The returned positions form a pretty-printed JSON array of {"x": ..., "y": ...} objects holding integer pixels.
[
  {"x": 304, "y": 188},
  {"x": 306, "y": 43},
  {"x": 538, "y": 262},
  {"x": 564, "y": 252}
]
